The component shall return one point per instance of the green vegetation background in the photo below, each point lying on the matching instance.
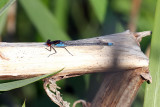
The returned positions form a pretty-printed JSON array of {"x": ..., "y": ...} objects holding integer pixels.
[{"x": 39, "y": 20}]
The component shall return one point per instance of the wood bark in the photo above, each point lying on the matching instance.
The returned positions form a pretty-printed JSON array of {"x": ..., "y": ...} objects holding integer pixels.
[
  {"x": 119, "y": 89},
  {"x": 24, "y": 60},
  {"x": 124, "y": 62}
]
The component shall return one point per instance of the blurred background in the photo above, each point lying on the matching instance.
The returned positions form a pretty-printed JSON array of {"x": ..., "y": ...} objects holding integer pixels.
[{"x": 39, "y": 20}]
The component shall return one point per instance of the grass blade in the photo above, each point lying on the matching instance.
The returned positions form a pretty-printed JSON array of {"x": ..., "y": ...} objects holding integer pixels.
[
  {"x": 43, "y": 19},
  {"x": 100, "y": 8},
  {"x": 152, "y": 95},
  {"x": 24, "y": 103},
  {"x": 20, "y": 83},
  {"x": 61, "y": 12},
  {"x": 3, "y": 19},
  {"x": 5, "y": 4}
]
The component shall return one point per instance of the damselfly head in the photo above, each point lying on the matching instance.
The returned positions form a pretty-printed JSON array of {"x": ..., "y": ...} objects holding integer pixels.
[{"x": 48, "y": 42}]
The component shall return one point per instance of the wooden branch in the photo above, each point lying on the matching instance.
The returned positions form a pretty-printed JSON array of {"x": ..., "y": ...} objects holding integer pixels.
[
  {"x": 24, "y": 60},
  {"x": 119, "y": 89},
  {"x": 125, "y": 65}
]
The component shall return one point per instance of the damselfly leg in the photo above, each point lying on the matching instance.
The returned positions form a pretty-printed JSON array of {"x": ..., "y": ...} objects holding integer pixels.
[
  {"x": 50, "y": 49},
  {"x": 68, "y": 51},
  {"x": 56, "y": 43}
]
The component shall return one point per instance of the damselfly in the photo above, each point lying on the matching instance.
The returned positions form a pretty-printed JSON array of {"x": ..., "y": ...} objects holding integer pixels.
[{"x": 56, "y": 43}]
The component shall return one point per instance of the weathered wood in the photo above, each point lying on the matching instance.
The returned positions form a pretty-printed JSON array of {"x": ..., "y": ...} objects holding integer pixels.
[
  {"x": 119, "y": 89},
  {"x": 24, "y": 60},
  {"x": 124, "y": 62}
]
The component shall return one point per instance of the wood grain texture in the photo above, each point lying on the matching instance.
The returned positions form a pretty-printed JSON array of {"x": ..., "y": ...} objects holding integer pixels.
[
  {"x": 24, "y": 60},
  {"x": 119, "y": 89}
]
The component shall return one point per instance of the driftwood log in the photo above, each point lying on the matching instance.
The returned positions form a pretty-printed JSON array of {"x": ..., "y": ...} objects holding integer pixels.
[{"x": 125, "y": 65}]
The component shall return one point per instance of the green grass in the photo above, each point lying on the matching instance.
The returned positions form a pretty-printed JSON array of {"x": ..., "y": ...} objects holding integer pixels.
[
  {"x": 5, "y": 4},
  {"x": 152, "y": 92},
  {"x": 44, "y": 21},
  {"x": 20, "y": 83}
]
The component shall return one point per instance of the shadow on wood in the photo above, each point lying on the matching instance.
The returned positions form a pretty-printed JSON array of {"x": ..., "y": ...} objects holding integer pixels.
[{"x": 119, "y": 89}]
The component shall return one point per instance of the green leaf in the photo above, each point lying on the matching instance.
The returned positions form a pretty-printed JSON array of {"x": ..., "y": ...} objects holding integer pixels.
[
  {"x": 43, "y": 19},
  {"x": 100, "y": 8},
  {"x": 20, "y": 83},
  {"x": 3, "y": 18},
  {"x": 5, "y": 4},
  {"x": 152, "y": 92},
  {"x": 61, "y": 12},
  {"x": 24, "y": 103}
]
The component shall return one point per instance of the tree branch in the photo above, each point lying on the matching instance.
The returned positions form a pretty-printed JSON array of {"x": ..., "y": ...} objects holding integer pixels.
[
  {"x": 24, "y": 60},
  {"x": 125, "y": 65}
]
